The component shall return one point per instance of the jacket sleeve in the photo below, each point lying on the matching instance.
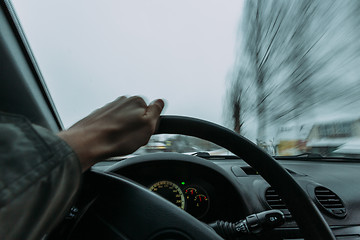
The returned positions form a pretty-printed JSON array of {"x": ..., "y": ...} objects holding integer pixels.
[{"x": 39, "y": 177}]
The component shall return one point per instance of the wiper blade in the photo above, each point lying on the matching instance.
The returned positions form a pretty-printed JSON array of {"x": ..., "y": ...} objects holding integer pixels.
[
  {"x": 207, "y": 155},
  {"x": 317, "y": 157},
  {"x": 309, "y": 155},
  {"x": 201, "y": 154},
  {"x": 306, "y": 155}
]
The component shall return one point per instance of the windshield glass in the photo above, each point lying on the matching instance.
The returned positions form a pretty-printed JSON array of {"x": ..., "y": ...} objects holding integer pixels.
[{"x": 282, "y": 73}]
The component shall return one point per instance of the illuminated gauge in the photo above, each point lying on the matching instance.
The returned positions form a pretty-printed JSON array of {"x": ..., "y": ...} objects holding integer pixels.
[
  {"x": 198, "y": 206},
  {"x": 201, "y": 205},
  {"x": 190, "y": 193},
  {"x": 169, "y": 191},
  {"x": 201, "y": 201}
]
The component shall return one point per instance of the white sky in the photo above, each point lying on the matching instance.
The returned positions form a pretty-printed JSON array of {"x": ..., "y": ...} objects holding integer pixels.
[{"x": 91, "y": 52}]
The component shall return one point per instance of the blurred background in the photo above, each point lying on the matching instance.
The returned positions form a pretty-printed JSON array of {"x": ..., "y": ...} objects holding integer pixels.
[
  {"x": 295, "y": 84},
  {"x": 294, "y": 87}
]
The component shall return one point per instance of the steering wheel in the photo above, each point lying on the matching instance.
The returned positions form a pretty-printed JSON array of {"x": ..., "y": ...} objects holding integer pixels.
[{"x": 136, "y": 213}]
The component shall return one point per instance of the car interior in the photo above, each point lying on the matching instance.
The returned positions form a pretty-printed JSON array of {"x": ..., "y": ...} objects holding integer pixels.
[{"x": 248, "y": 195}]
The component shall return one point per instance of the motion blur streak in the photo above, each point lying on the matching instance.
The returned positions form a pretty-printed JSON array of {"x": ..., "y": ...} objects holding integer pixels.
[{"x": 297, "y": 62}]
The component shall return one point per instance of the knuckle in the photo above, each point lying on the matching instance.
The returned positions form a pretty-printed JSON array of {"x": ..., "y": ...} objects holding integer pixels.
[
  {"x": 121, "y": 98},
  {"x": 134, "y": 97},
  {"x": 137, "y": 99}
]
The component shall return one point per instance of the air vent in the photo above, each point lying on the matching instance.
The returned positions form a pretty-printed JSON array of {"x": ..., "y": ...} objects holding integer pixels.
[
  {"x": 275, "y": 201},
  {"x": 330, "y": 202}
]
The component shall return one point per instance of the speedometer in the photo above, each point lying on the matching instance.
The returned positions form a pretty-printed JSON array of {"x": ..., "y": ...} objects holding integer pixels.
[{"x": 169, "y": 191}]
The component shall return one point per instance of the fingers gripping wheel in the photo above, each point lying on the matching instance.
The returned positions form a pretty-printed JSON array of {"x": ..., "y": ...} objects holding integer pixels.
[{"x": 298, "y": 202}]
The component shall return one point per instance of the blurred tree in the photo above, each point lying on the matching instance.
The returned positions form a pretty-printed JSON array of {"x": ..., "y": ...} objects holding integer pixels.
[
  {"x": 260, "y": 29},
  {"x": 294, "y": 57},
  {"x": 237, "y": 102}
]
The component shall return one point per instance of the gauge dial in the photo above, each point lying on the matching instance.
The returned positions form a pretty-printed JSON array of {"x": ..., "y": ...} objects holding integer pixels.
[
  {"x": 197, "y": 202},
  {"x": 169, "y": 191},
  {"x": 190, "y": 193},
  {"x": 201, "y": 203}
]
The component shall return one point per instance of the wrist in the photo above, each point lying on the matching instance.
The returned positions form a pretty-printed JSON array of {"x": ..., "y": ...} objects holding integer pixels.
[{"x": 82, "y": 145}]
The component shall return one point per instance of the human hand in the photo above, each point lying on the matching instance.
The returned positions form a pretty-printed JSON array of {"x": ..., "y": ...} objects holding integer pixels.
[{"x": 118, "y": 128}]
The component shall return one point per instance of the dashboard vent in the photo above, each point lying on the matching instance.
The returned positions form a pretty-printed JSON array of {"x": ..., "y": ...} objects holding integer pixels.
[
  {"x": 275, "y": 201},
  {"x": 330, "y": 202}
]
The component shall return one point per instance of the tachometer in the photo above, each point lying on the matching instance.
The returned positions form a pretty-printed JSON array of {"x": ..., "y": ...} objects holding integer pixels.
[{"x": 169, "y": 191}]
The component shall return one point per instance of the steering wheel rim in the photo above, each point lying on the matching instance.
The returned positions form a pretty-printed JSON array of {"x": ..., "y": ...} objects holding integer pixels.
[
  {"x": 306, "y": 214},
  {"x": 304, "y": 211}
]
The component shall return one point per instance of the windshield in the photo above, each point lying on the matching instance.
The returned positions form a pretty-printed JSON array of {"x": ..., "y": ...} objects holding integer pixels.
[{"x": 282, "y": 73}]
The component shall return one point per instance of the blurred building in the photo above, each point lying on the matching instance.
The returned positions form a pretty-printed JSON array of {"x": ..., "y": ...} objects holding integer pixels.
[
  {"x": 335, "y": 138},
  {"x": 291, "y": 139}
]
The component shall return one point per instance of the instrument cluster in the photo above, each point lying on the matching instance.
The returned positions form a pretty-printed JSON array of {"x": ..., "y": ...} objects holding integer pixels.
[{"x": 191, "y": 198}]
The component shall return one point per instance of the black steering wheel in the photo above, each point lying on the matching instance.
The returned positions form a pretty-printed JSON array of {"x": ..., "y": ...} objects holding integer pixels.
[{"x": 136, "y": 213}]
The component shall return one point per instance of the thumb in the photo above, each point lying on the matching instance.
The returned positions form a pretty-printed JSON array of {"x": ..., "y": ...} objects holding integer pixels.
[{"x": 155, "y": 108}]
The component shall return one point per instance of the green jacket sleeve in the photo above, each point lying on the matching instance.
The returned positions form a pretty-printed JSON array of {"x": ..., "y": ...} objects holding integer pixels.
[{"x": 39, "y": 177}]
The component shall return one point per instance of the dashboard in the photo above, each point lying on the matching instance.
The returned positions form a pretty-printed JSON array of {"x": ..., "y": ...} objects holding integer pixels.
[
  {"x": 200, "y": 190},
  {"x": 218, "y": 189},
  {"x": 229, "y": 189}
]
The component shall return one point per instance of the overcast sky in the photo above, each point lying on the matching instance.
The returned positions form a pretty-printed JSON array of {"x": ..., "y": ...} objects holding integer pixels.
[{"x": 91, "y": 52}]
